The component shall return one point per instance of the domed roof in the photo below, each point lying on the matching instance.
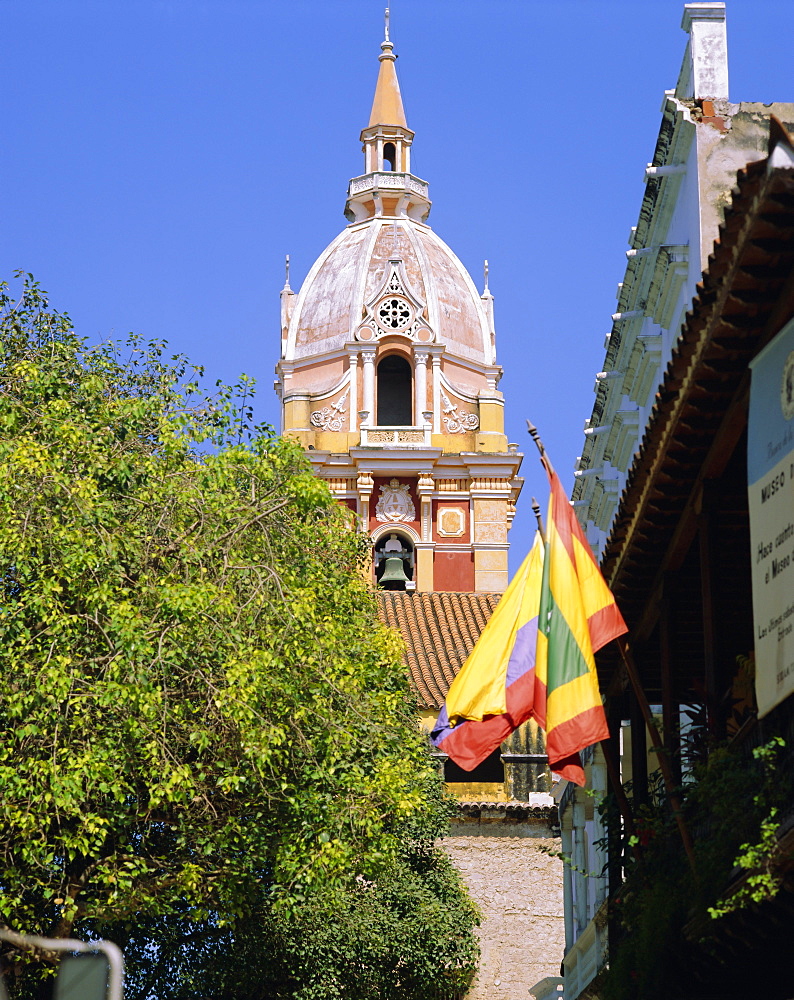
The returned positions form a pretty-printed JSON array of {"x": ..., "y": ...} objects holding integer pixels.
[{"x": 372, "y": 262}]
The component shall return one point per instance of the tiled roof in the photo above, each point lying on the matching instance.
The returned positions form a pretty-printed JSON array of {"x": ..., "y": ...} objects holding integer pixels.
[
  {"x": 439, "y": 630},
  {"x": 515, "y": 811}
]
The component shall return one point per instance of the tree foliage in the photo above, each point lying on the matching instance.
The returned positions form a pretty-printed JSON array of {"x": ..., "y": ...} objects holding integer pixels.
[
  {"x": 671, "y": 921},
  {"x": 208, "y": 742}
]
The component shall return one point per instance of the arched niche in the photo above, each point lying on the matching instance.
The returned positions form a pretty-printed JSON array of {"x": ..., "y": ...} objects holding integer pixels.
[{"x": 394, "y": 543}]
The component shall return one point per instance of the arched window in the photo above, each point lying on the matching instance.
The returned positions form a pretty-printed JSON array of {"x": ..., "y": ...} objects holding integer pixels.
[
  {"x": 394, "y": 552},
  {"x": 394, "y": 392},
  {"x": 389, "y": 156}
]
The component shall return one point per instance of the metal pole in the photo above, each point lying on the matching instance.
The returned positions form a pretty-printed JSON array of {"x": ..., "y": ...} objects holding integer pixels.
[{"x": 111, "y": 951}]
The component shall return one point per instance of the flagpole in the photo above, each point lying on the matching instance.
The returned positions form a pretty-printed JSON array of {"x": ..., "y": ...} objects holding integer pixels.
[
  {"x": 642, "y": 700},
  {"x": 661, "y": 751}
]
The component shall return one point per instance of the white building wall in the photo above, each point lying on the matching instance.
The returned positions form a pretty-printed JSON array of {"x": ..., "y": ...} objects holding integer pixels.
[
  {"x": 514, "y": 874},
  {"x": 703, "y": 141}
]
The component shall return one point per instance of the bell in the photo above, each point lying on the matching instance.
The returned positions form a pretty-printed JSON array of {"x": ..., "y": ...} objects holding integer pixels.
[{"x": 394, "y": 577}]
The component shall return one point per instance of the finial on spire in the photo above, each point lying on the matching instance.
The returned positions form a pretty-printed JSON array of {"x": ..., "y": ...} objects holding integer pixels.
[
  {"x": 485, "y": 274},
  {"x": 286, "y": 272},
  {"x": 387, "y": 108}
]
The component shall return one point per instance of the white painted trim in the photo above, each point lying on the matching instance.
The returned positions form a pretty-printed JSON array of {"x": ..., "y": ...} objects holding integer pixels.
[
  {"x": 431, "y": 297},
  {"x": 487, "y": 352},
  {"x": 467, "y": 396},
  {"x": 362, "y": 270},
  {"x": 308, "y": 281},
  {"x": 325, "y": 394},
  {"x": 395, "y": 527}
]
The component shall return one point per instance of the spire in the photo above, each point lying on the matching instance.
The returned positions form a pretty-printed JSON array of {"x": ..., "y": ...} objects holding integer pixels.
[
  {"x": 287, "y": 302},
  {"x": 487, "y": 301},
  {"x": 387, "y": 187},
  {"x": 387, "y": 107}
]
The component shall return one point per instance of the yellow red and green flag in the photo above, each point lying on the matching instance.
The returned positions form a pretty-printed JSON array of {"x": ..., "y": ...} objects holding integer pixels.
[
  {"x": 577, "y": 616},
  {"x": 535, "y": 657}
]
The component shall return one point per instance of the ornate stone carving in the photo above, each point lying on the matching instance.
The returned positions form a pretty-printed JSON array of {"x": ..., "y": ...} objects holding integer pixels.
[
  {"x": 364, "y": 483},
  {"x": 452, "y": 485},
  {"x": 395, "y": 309},
  {"x": 341, "y": 485},
  {"x": 451, "y": 522},
  {"x": 394, "y": 312},
  {"x": 387, "y": 180},
  {"x": 395, "y": 437},
  {"x": 486, "y": 483},
  {"x": 425, "y": 484},
  {"x": 457, "y": 421},
  {"x": 395, "y": 503},
  {"x": 331, "y": 418}
]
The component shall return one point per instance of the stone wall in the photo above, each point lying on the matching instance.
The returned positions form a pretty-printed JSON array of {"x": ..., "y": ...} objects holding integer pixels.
[{"x": 519, "y": 891}]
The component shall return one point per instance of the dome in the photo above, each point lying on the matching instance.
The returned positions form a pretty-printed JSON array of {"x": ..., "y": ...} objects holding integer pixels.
[
  {"x": 388, "y": 341},
  {"x": 388, "y": 380},
  {"x": 389, "y": 276}
]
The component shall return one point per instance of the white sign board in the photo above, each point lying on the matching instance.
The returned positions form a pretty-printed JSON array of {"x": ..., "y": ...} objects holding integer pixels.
[{"x": 770, "y": 487}]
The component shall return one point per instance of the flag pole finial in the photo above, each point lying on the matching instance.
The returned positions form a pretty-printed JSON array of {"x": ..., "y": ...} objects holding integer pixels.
[
  {"x": 533, "y": 433},
  {"x": 539, "y": 519}
]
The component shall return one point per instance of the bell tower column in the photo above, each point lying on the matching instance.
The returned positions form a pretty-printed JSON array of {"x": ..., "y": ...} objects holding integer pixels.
[
  {"x": 368, "y": 359},
  {"x": 420, "y": 385},
  {"x": 424, "y": 549},
  {"x": 436, "y": 392},
  {"x": 364, "y": 486},
  {"x": 353, "y": 366},
  {"x": 389, "y": 328}
]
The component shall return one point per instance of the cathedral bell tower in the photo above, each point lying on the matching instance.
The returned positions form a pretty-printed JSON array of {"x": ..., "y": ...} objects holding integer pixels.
[{"x": 388, "y": 377}]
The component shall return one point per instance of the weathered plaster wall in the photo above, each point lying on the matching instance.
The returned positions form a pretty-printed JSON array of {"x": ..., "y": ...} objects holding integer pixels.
[
  {"x": 519, "y": 890},
  {"x": 739, "y": 136}
]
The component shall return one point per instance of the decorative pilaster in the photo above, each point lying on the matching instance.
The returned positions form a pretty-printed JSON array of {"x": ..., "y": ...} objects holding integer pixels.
[
  {"x": 368, "y": 360},
  {"x": 425, "y": 488},
  {"x": 436, "y": 393},
  {"x": 364, "y": 484},
  {"x": 425, "y": 549},
  {"x": 420, "y": 384},
  {"x": 353, "y": 365}
]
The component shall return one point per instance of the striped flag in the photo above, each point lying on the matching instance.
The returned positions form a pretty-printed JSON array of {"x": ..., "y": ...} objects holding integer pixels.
[
  {"x": 495, "y": 690},
  {"x": 577, "y": 616},
  {"x": 534, "y": 658}
]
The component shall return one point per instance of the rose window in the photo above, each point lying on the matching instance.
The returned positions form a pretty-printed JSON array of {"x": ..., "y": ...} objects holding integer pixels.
[{"x": 394, "y": 313}]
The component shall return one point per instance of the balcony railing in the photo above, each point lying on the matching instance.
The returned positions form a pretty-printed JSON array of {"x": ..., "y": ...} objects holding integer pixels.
[
  {"x": 388, "y": 180},
  {"x": 396, "y": 437},
  {"x": 588, "y": 955}
]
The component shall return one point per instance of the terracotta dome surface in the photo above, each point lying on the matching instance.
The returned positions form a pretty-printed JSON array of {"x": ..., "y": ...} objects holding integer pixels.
[{"x": 350, "y": 273}]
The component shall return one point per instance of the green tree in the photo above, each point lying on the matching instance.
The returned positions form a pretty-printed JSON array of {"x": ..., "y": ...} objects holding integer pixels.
[{"x": 209, "y": 749}]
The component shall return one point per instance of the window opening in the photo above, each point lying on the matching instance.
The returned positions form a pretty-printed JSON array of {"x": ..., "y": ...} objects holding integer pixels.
[
  {"x": 394, "y": 392},
  {"x": 394, "y": 313},
  {"x": 491, "y": 769},
  {"x": 389, "y": 157}
]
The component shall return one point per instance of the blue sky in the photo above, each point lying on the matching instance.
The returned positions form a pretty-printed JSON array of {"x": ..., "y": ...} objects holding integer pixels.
[{"x": 160, "y": 157}]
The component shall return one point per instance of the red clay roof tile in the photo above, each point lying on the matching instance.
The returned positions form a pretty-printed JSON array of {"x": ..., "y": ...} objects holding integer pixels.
[{"x": 439, "y": 631}]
